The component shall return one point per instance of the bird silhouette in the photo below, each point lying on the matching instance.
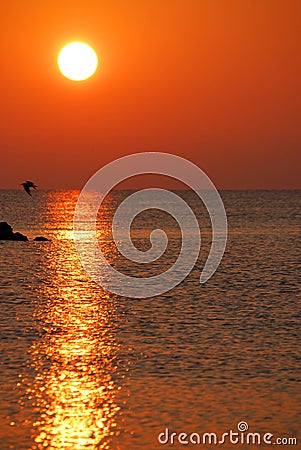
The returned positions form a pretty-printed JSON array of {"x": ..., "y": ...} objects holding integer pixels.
[{"x": 27, "y": 185}]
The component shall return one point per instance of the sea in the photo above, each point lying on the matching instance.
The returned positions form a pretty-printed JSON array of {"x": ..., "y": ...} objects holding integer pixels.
[{"x": 84, "y": 369}]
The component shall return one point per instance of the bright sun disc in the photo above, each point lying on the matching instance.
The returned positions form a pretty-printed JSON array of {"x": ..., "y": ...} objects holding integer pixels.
[{"x": 77, "y": 61}]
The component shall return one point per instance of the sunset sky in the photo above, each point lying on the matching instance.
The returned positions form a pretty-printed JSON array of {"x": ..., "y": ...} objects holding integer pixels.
[{"x": 217, "y": 82}]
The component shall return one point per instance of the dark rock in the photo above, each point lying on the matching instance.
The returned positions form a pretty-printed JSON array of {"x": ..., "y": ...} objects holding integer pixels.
[
  {"x": 7, "y": 234},
  {"x": 6, "y": 231},
  {"x": 19, "y": 237},
  {"x": 40, "y": 238}
]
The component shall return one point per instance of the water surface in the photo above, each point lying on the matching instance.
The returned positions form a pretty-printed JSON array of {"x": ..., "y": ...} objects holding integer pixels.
[{"x": 84, "y": 369}]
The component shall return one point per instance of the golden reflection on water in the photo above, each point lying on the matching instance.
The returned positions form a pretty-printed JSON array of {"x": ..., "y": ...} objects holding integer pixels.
[{"x": 74, "y": 360}]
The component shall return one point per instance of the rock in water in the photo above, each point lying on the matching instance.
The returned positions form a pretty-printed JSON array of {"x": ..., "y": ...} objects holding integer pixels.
[
  {"x": 6, "y": 231},
  {"x": 40, "y": 238},
  {"x": 7, "y": 234},
  {"x": 19, "y": 237}
]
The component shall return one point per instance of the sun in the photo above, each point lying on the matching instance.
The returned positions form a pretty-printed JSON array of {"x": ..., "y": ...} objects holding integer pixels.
[{"x": 77, "y": 61}]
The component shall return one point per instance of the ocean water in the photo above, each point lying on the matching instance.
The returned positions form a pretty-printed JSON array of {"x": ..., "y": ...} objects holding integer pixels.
[{"x": 81, "y": 368}]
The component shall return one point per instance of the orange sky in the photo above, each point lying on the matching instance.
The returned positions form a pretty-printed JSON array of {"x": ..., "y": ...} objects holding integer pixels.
[{"x": 216, "y": 81}]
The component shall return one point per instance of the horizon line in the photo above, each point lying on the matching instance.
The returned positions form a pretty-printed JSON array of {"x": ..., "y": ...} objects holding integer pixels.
[{"x": 153, "y": 187}]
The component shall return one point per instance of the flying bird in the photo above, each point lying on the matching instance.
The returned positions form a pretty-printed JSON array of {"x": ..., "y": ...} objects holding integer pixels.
[{"x": 27, "y": 185}]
